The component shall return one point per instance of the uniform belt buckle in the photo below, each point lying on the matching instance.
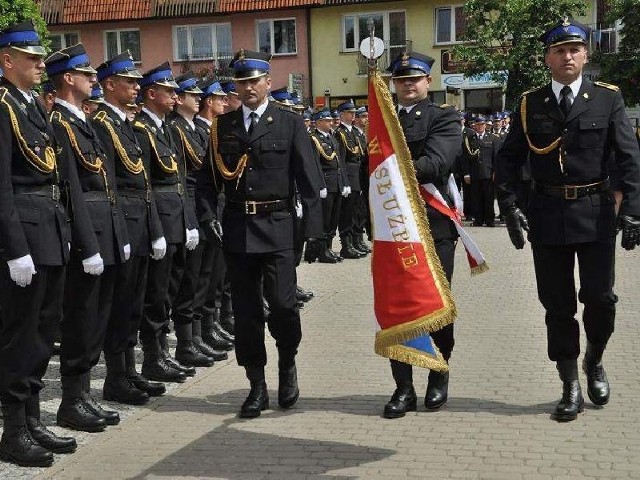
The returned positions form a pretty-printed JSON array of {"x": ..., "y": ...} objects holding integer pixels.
[
  {"x": 250, "y": 208},
  {"x": 55, "y": 192},
  {"x": 570, "y": 193}
]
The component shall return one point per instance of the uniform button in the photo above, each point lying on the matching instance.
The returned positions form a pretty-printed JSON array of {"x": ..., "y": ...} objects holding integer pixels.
[
  {"x": 565, "y": 130},
  {"x": 249, "y": 149},
  {"x": 250, "y": 189},
  {"x": 593, "y": 124},
  {"x": 251, "y": 169}
]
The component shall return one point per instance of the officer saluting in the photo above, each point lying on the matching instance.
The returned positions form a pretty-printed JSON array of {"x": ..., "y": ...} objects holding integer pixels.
[
  {"x": 434, "y": 139},
  {"x": 570, "y": 129},
  {"x": 34, "y": 244},
  {"x": 91, "y": 273},
  {"x": 260, "y": 151}
]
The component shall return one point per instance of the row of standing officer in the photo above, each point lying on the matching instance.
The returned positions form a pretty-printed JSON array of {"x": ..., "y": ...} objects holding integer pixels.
[{"x": 85, "y": 202}]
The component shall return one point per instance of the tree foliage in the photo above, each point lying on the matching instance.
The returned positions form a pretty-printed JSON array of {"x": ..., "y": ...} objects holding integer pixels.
[
  {"x": 623, "y": 68},
  {"x": 501, "y": 37},
  {"x": 16, "y": 11}
]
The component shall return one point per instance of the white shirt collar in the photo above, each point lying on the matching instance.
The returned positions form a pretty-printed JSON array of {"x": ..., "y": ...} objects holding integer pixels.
[
  {"x": 75, "y": 110},
  {"x": 348, "y": 127},
  {"x": 118, "y": 112},
  {"x": 246, "y": 111},
  {"x": 156, "y": 119},
  {"x": 408, "y": 109},
  {"x": 189, "y": 121},
  {"x": 574, "y": 86},
  {"x": 28, "y": 96},
  {"x": 208, "y": 122}
]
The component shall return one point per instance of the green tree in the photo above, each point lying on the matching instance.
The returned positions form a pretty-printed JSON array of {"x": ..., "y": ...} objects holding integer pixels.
[
  {"x": 16, "y": 11},
  {"x": 623, "y": 68},
  {"x": 502, "y": 37}
]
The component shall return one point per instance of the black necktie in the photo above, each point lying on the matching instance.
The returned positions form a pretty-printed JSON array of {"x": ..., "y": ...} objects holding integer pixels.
[
  {"x": 253, "y": 117},
  {"x": 403, "y": 114},
  {"x": 565, "y": 103}
]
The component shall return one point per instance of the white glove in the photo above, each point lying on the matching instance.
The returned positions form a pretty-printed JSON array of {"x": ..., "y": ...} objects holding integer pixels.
[
  {"x": 346, "y": 191},
  {"x": 94, "y": 265},
  {"x": 127, "y": 251},
  {"x": 193, "y": 238},
  {"x": 298, "y": 210},
  {"x": 323, "y": 193},
  {"x": 159, "y": 247},
  {"x": 22, "y": 270}
]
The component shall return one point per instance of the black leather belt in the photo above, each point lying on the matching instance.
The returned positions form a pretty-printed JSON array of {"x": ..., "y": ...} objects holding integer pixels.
[
  {"x": 572, "y": 192},
  {"x": 132, "y": 192},
  {"x": 99, "y": 196},
  {"x": 251, "y": 208},
  {"x": 175, "y": 188},
  {"x": 52, "y": 191}
]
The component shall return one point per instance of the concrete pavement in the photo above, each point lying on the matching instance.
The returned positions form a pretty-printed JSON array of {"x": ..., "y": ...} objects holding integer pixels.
[{"x": 495, "y": 426}]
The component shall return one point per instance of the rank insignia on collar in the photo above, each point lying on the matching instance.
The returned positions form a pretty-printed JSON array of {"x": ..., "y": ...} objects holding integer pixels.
[
  {"x": 585, "y": 95},
  {"x": 153, "y": 129},
  {"x": 269, "y": 120},
  {"x": 546, "y": 99},
  {"x": 418, "y": 113},
  {"x": 23, "y": 107},
  {"x": 405, "y": 59},
  {"x": 234, "y": 123},
  {"x": 117, "y": 122}
]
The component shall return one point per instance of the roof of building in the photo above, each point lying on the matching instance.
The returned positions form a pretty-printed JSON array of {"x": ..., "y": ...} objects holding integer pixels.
[{"x": 233, "y": 6}]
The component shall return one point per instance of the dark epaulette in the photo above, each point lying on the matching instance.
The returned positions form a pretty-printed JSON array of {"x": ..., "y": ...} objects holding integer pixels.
[
  {"x": 524, "y": 94},
  {"x": 615, "y": 88},
  {"x": 286, "y": 109},
  {"x": 445, "y": 105}
]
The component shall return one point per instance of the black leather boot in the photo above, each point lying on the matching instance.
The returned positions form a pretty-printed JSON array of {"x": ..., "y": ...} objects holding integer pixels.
[
  {"x": 154, "y": 366},
  {"x": 330, "y": 250},
  {"x": 186, "y": 352},
  {"x": 404, "y": 397},
  {"x": 210, "y": 336},
  {"x": 303, "y": 295},
  {"x": 258, "y": 398},
  {"x": 358, "y": 243},
  {"x": 73, "y": 413},
  {"x": 347, "y": 250},
  {"x": 117, "y": 387},
  {"x": 201, "y": 346},
  {"x": 572, "y": 401},
  {"x": 437, "y": 390},
  {"x": 597, "y": 383},
  {"x": 188, "y": 370},
  {"x": 152, "y": 389},
  {"x": 288, "y": 392},
  {"x": 311, "y": 252},
  {"x": 111, "y": 417},
  {"x": 16, "y": 445},
  {"x": 217, "y": 327},
  {"x": 228, "y": 322},
  {"x": 327, "y": 256},
  {"x": 41, "y": 434}
]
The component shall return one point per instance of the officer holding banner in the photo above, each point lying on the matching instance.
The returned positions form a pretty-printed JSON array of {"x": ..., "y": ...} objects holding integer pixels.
[{"x": 434, "y": 139}]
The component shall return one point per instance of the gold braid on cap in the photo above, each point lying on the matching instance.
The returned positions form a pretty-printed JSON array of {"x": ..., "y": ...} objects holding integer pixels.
[
  {"x": 355, "y": 150},
  {"x": 324, "y": 155},
  {"x": 173, "y": 167},
  {"x": 92, "y": 167},
  {"x": 186, "y": 145},
  {"x": 47, "y": 165},
  {"x": 222, "y": 168}
]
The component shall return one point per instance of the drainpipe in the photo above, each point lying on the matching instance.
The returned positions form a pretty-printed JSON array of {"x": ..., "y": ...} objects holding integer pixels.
[{"x": 312, "y": 102}]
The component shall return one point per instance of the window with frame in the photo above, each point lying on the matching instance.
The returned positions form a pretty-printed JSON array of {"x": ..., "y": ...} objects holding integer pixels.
[
  {"x": 277, "y": 37},
  {"x": 119, "y": 41},
  {"x": 202, "y": 42},
  {"x": 393, "y": 26},
  {"x": 450, "y": 24},
  {"x": 63, "y": 40}
]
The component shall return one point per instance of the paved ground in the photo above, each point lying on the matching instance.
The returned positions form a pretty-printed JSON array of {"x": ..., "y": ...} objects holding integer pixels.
[{"x": 495, "y": 426}]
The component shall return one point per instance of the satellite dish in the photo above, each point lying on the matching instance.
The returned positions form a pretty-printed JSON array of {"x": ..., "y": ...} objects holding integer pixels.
[{"x": 378, "y": 47}]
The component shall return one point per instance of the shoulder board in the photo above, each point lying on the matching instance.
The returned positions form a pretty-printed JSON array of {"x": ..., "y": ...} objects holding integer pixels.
[
  {"x": 55, "y": 116},
  {"x": 615, "y": 88},
  {"x": 446, "y": 105},
  {"x": 285, "y": 109},
  {"x": 139, "y": 124}
]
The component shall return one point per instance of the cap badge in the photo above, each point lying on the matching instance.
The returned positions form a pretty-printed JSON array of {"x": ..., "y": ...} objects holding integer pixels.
[
  {"x": 405, "y": 59},
  {"x": 241, "y": 54}
]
